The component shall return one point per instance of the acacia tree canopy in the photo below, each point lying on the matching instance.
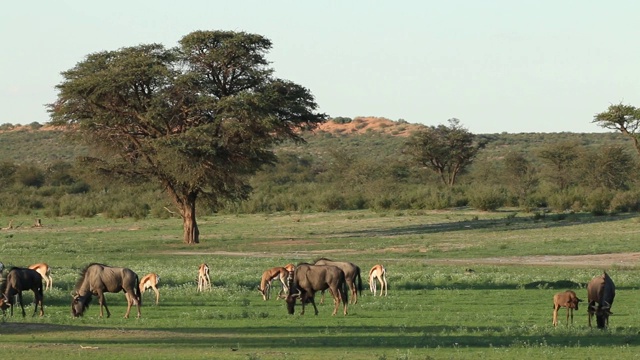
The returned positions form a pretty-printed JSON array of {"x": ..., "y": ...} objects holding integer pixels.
[
  {"x": 622, "y": 118},
  {"x": 447, "y": 150},
  {"x": 197, "y": 119}
]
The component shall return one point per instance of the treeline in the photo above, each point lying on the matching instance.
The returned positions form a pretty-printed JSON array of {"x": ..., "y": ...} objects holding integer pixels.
[{"x": 335, "y": 171}]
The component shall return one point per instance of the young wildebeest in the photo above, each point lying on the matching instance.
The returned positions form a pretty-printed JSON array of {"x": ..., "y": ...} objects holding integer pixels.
[
  {"x": 267, "y": 278},
  {"x": 602, "y": 291},
  {"x": 567, "y": 299},
  {"x": 150, "y": 281},
  {"x": 97, "y": 279},
  {"x": 17, "y": 281},
  {"x": 351, "y": 273},
  {"x": 306, "y": 279}
]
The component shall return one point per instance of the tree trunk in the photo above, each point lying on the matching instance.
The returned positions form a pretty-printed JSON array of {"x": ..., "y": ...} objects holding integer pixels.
[{"x": 191, "y": 234}]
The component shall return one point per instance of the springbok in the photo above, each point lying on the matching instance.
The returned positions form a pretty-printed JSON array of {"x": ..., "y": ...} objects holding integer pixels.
[
  {"x": 378, "y": 272},
  {"x": 97, "y": 279},
  {"x": 268, "y": 276},
  {"x": 150, "y": 281},
  {"x": 45, "y": 271},
  {"x": 290, "y": 267},
  {"x": 602, "y": 291},
  {"x": 204, "y": 281},
  {"x": 17, "y": 281},
  {"x": 567, "y": 299}
]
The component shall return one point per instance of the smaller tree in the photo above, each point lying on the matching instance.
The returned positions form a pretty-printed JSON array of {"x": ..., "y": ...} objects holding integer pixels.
[
  {"x": 559, "y": 163},
  {"x": 622, "y": 118},
  {"x": 520, "y": 175},
  {"x": 447, "y": 150}
]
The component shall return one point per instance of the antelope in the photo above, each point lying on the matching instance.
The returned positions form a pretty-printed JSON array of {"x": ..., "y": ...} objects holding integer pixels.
[
  {"x": 17, "y": 281},
  {"x": 204, "y": 281},
  {"x": 97, "y": 279},
  {"x": 567, "y": 299},
  {"x": 351, "y": 273},
  {"x": 150, "y": 281},
  {"x": 268, "y": 276},
  {"x": 600, "y": 291},
  {"x": 290, "y": 267},
  {"x": 378, "y": 272},
  {"x": 307, "y": 279},
  {"x": 45, "y": 271}
]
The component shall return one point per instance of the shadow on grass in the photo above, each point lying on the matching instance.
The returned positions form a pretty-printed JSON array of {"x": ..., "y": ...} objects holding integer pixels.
[
  {"x": 336, "y": 336},
  {"x": 505, "y": 224}
]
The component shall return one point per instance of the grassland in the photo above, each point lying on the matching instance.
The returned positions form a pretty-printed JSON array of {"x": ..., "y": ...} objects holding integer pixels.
[{"x": 435, "y": 310}]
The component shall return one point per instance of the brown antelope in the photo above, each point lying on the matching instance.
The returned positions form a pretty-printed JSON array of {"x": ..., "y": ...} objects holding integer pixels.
[
  {"x": 290, "y": 267},
  {"x": 351, "y": 273},
  {"x": 204, "y": 281},
  {"x": 378, "y": 272},
  {"x": 567, "y": 299},
  {"x": 45, "y": 271},
  {"x": 150, "y": 281},
  {"x": 268, "y": 276}
]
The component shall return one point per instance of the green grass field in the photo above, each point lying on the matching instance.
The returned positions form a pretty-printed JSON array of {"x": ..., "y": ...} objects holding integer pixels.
[{"x": 434, "y": 309}]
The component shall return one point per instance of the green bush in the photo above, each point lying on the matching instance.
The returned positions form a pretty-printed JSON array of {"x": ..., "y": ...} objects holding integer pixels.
[{"x": 487, "y": 199}]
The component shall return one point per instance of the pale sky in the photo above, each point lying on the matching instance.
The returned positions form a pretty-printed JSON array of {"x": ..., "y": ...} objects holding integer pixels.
[{"x": 499, "y": 66}]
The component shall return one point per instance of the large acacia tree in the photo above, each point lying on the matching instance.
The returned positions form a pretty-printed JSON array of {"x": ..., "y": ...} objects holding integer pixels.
[
  {"x": 447, "y": 150},
  {"x": 198, "y": 119}
]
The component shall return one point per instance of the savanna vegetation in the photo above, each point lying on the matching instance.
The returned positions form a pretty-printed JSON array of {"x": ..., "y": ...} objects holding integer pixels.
[{"x": 463, "y": 284}]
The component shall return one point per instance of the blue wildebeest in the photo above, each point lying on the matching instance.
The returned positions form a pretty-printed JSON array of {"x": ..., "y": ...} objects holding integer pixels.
[
  {"x": 17, "y": 281},
  {"x": 600, "y": 291},
  {"x": 97, "y": 279},
  {"x": 351, "y": 273},
  {"x": 307, "y": 279}
]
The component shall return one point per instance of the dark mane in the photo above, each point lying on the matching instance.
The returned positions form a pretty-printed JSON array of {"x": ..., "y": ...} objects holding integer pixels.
[
  {"x": 322, "y": 258},
  {"x": 83, "y": 273},
  {"x": 303, "y": 263}
]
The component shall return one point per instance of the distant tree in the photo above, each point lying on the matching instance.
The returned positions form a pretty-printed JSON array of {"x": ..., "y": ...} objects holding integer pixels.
[
  {"x": 520, "y": 175},
  {"x": 341, "y": 120},
  {"x": 610, "y": 167},
  {"x": 560, "y": 160},
  {"x": 30, "y": 175},
  {"x": 622, "y": 118},
  {"x": 197, "y": 119},
  {"x": 447, "y": 150}
]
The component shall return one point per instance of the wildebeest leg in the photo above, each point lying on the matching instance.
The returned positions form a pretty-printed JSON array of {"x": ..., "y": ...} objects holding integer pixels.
[
  {"x": 336, "y": 300},
  {"x": 131, "y": 299},
  {"x": 103, "y": 303},
  {"x": 38, "y": 300},
  {"x": 322, "y": 297},
  {"x": 21, "y": 304},
  {"x": 314, "y": 305},
  {"x": 569, "y": 311}
]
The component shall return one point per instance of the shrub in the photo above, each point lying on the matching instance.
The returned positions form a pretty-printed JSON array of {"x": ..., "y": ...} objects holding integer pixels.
[{"x": 487, "y": 199}]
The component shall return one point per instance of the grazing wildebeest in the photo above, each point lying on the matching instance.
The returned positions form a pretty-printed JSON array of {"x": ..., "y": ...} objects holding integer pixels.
[
  {"x": 600, "y": 291},
  {"x": 45, "y": 271},
  {"x": 97, "y": 279},
  {"x": 268, "y": 276},
  {"x": 306, "y": 279},
  {"x": 17, "y": 281},
  {"x": 150, "y": 281},
  {"x": 378, "y": 272},
  {"x": 351, "y": 273},
  {"x": 567, "y": 299}
]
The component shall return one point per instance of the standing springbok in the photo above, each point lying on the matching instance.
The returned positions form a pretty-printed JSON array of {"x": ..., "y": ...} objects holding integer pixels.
[
  {"x": 378, "y": 272},
  {"x": 45, "y": 271},
  {"x": 204, "y": 281},
  {"x": 567, "y": 299},
  {"x": 150, "y": 281},
  {"x": 268, "y": 276},
  {"x": 17, "y": 281}
]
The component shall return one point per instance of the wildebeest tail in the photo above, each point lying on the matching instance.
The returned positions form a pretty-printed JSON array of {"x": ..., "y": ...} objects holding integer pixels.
[
  {"x": 136, "y": 290},
  {"x": 359, "y": 280}
]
